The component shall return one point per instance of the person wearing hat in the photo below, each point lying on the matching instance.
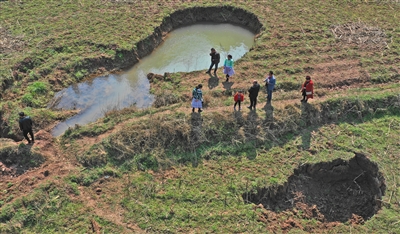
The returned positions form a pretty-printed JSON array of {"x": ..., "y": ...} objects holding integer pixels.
[
  {"x": 307, "y": 89},
  {"x": 253, "y": 94},
  {"x": 25, "y": 124},
  {"x": 215, "y": 58}
]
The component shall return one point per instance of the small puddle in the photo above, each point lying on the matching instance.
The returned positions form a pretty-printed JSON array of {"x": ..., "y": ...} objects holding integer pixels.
[{"x": 185, "y": 49}]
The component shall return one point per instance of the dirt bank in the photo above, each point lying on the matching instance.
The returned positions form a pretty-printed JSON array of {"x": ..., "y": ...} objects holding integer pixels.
[
  {"x": 224, "y": 14},
  {"x": 127, "y": 58}
]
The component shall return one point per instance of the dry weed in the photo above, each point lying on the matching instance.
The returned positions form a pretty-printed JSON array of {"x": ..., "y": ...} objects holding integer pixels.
[{"x": 359, "y": 33}]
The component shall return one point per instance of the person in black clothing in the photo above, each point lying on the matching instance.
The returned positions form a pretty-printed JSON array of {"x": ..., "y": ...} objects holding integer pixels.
[
  {"x": 25, "y": 124},
  {"x": 214, "y": 61},
  {"x": 253, "y": 94}
]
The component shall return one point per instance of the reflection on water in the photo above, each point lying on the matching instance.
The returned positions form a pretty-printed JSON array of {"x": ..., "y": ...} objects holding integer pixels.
[{"x": 185, "y": 49}]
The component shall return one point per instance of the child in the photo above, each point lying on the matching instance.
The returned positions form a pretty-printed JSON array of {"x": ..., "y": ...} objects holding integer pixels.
[
  {"x": 307, "y": 89},
  {"x": 228, "y": 67},
  {"x": 239, "y": 97}
]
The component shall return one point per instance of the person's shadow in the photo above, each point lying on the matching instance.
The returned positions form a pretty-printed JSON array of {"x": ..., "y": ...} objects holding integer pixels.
[
  {"x": 213, "y": 81},
  {"x": 196, "y": 136},
  {"x": 306, "y": 110},
  {"x": 269, "y": 113},
  {"x": 237, "y": 114},
  {"x": 227, "y": 85},
  {"x": 252, "y": 130}
]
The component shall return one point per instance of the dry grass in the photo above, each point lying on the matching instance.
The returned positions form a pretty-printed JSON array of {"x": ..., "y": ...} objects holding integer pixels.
[
  {"x": 166, "y": 135},
  {"x": 362, "y": 35}
]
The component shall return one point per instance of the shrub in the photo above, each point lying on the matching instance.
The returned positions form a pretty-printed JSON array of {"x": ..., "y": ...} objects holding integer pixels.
[
  {"x": 27, "y": 99},
  {"x": 37, "y": 88}
]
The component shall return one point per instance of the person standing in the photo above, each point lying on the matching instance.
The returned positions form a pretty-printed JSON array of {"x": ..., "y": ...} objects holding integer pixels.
[
  {"x": 238, "y": 97},
  {"x": 228, "y": 67},
  {"x": 253, "y": 94},
  {"x": 197, "y": 98},
  {"x": 307, "y": 89},
  {"x": 25, "y": 124},
  {"x": 215, "y": 58},
  {"x": 270, "y": 82}
]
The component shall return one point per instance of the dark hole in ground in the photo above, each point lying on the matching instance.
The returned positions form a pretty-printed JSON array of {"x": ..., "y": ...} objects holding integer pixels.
[{"x": 329, "y": 191}]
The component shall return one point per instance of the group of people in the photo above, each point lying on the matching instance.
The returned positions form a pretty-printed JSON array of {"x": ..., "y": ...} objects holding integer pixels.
[
  {"x": 307, "y": 88},
  {"x": 253, "y": 94}
]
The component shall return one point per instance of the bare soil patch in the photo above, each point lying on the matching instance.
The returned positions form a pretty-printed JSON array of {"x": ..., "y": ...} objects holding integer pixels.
[
  {"x": 339, "y": 73},
  {"x": 17, "y": 159},
  {"x": 26, "y": 166},
  {"x": 337, "y": 191},
  {"x": 10, "y": 43},
  {"x": 361, "y": 35}
]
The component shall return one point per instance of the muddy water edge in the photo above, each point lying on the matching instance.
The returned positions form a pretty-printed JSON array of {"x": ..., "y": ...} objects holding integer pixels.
[{"x": 184, "y": 50}]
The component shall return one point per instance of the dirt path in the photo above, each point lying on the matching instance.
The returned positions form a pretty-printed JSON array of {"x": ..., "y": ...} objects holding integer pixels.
[
  {"x": 329, "y": 93},
  {"x": 56, "y": 165}
]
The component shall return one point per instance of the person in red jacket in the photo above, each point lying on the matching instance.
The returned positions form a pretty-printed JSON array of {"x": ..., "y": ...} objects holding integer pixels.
[
  {"x": 307, "y": 89},
  {"x": 238, "y": 97}
]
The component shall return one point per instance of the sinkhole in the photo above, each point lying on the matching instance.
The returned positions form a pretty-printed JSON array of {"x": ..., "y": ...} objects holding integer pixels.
[{"x": 330, "y": 191}]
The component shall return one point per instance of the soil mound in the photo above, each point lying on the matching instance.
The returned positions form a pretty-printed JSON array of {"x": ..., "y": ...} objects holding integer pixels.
[
  {"x": 16, "y": 159},
  {"x": 334, "y": 191}
]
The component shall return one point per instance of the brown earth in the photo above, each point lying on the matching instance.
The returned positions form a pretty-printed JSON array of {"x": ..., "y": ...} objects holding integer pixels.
[
  {"x": 16, "y": 168},
  {"x": 10, "y": 43},
  {"x": 331, "y": 192}
]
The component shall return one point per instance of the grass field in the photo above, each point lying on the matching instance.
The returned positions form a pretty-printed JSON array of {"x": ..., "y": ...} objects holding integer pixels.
[{"x": 166, "y": 170}]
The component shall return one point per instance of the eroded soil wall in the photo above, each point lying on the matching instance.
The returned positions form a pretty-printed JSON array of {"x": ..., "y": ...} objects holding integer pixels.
[
  {"x": 333, "y": 190},
  {"x": 127, "y": 58},
  {"x": 178, "y": 19}
]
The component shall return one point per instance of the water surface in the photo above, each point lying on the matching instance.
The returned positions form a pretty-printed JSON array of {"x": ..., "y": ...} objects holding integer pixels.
[{"x": 184, "y": 50}]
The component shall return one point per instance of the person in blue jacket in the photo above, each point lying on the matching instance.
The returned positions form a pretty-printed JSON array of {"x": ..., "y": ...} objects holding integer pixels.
[{"x": 270, "y": 82}]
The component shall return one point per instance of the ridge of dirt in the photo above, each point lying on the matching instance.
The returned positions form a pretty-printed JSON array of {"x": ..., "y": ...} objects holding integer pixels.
[{"x": 87, "y": 140}]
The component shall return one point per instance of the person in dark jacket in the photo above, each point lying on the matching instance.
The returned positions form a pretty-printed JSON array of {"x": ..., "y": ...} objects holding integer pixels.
[
  {"x": 215, "y": 58},
  {"x": 253, "y": 94},
  {"x": 25, "y": 124}
]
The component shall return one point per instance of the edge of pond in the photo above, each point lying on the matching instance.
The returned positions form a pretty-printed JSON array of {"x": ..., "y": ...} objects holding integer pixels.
[{"x": 125, "y": 59}]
